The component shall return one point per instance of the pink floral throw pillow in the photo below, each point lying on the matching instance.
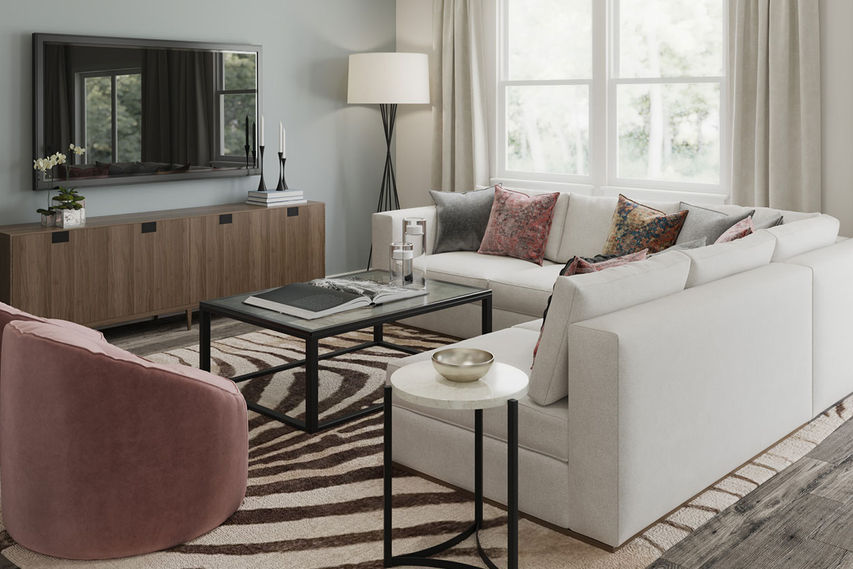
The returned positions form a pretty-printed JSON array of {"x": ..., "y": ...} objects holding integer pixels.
[
  {"x": 740, "y": 229},
  {"x": 636, "y": 226},
  {"x": 519, "y": 225}
]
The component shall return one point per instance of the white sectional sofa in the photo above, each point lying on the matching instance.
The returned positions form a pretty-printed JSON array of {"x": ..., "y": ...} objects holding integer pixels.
[{"x": 653, "y": 379}]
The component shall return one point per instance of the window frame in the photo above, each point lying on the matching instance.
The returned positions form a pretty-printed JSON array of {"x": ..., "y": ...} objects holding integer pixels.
[
  {"x": 603, "y": 163},
  {"x": 219, "y": 91},
  {"x": 80, "y": 131}
]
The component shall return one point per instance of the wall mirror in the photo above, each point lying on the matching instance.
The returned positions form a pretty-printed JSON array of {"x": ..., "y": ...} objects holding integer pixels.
[{"x": 145, "y": 110}]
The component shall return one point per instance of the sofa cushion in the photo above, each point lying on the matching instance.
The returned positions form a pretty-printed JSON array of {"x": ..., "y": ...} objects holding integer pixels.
[
  {"x": 636, "y": 226},
  {"x": 535, "y": 325},
  {"x": 802, "y": 236},
  {"x": 10, "y": 313},
  {"x": 525, "y": 291},
  {"x": 519, "y": 225},
  {"x": 707, "y": 223},
  {"x": 721, "y": 260},
  {"x": 581, "y": 297},
  {"x": 461, "y": 219},
  {"x": 765, "y": 214},
  {"x": 587, "y": 226},
  {"x": 541, "y": 429},
  {"x": 472, "y": 269}
]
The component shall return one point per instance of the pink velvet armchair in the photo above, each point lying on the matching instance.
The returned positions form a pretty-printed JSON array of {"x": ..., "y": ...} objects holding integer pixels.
[{"x": 104, "y": 454}]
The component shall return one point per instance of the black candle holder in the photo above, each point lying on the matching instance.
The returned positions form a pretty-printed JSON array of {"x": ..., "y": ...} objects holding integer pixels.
[
  {"x": 254, "y": 158},
  {"x": 247, "y": 158},
  {"x": 282, "y": 183},
  {"x": 262, "y": 187}
]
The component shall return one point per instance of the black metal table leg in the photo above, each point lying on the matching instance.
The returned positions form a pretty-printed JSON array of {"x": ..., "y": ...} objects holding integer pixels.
[
  {"x": 424, "y": 557},
  {"x": 478, "y": 468},
  {"x": 312, "y": 386},
  {"x": 512, "y": 484},
  {"x": 204, "y": 339},
  {"x": 388, "y": 458},
  {"x": 377, "y": 333},
  {"x": 486, "y": 318}
]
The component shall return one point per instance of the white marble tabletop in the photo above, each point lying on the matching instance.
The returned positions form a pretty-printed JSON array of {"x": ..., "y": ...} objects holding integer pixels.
[{"x": 420, "y": 384}]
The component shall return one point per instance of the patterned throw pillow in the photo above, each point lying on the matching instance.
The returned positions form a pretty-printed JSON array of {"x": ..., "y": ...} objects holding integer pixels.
[
  {"x": 582, "y": 265},
  {"x": 636, "y": 226},
  {"x": 519, "y": 225},
  {"x": 740, "y": 229}
]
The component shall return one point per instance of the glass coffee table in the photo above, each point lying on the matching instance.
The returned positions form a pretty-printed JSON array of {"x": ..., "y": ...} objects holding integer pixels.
[{"x": 440, "y": 295}]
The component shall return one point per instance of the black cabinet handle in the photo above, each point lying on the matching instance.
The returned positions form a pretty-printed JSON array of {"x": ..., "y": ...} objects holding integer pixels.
[
  {"x": 225, "y": 218},
  {"x": 60, "y": 237},
  {"x": 149, "y": 227},
  {"x": 293, "y": 212}
]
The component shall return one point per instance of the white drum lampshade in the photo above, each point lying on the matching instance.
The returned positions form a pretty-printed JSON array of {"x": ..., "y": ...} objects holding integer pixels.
[{"x": 388, "y": 78}]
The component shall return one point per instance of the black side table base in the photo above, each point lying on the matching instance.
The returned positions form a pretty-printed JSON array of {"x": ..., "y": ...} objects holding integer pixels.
[{"x": 424, "y": 557}]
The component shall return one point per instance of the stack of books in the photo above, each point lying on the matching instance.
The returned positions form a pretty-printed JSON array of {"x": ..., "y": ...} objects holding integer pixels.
[{"x": 273, "y": 198}]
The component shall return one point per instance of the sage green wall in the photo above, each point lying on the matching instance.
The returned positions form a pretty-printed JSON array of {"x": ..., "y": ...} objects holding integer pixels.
[{"x": 334, "y": 150}]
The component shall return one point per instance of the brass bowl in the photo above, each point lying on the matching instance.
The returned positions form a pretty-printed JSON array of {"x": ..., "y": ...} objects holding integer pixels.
[{"x": 462, "y": 364}]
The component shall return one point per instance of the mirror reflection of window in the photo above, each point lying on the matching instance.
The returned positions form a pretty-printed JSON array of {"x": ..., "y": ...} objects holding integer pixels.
[
  {"x": 237, "y": 100},
  {"x": 112, "y": 116}
]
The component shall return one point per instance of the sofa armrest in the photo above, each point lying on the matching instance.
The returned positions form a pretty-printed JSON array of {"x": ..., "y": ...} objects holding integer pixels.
[
  {"x": 669, "y": 396},
  {"x": 387, "y": 227},
  {"x": 832, "y": 270}
]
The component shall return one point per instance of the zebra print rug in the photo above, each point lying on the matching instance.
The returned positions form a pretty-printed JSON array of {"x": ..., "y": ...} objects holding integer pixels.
[{"x": 315, "y": 501}]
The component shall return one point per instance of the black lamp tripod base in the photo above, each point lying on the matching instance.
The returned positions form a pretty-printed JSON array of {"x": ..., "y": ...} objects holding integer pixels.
[{"x": 388, "y": 198}]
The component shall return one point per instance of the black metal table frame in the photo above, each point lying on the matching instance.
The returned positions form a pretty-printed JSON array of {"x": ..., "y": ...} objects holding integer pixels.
[
  {"x": 312, "y": 423},
  {"x": 423, "y": 557}
]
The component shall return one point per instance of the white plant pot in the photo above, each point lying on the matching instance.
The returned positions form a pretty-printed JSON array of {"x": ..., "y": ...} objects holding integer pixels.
[{"x": 70, "y": 217}]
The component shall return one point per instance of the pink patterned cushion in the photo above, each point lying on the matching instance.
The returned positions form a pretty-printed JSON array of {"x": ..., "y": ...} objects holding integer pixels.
[
  {"x": 636, "y": 226},
  {"x": 740, "y": 229},
  {"x": 519, "y": 225}
]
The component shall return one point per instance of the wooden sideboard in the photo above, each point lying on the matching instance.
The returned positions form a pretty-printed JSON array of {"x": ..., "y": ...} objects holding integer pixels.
[{"x": 120, "y": 268}]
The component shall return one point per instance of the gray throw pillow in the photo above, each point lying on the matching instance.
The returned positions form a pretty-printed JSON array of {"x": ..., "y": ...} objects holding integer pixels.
[
  {"x": 461, "y": 219},
  {"x": 772, "y": 222},
  {"x": 707, "y": 223}
]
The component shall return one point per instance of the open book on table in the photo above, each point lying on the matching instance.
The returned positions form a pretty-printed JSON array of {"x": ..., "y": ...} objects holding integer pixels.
[{"x": 323, "y": 297}]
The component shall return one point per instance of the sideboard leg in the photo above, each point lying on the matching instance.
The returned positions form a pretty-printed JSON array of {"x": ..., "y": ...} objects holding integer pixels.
[
  {"x": 189, "y": 318},
  {"x": 512, "y": 484}
]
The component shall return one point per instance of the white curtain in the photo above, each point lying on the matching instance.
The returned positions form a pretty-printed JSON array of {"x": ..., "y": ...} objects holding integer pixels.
[
  {"x": 774, "y": 62},
  {"x": 460, "y": 144}
]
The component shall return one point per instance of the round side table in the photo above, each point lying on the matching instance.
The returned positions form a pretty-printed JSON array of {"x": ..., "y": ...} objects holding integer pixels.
[{"x": 419, "y": 383}]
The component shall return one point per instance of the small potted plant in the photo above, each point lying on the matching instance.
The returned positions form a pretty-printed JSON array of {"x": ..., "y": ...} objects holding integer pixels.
[{"x": 67, "y": 208}]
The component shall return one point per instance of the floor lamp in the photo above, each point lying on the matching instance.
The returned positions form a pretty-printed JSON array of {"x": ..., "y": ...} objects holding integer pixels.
[{"x": 388, "y": 80}]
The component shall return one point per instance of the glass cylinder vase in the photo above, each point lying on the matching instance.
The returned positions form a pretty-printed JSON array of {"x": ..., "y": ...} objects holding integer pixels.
[{"x": 401, "y": 263}]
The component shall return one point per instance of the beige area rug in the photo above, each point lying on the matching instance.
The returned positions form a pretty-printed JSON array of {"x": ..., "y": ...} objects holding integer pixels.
[{"x": 316, "y": 501}]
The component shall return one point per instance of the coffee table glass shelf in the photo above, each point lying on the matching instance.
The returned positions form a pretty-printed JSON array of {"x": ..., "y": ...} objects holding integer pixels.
[
  {"x": 440, "y": 295},
  {"x": 421, "y": 384}
]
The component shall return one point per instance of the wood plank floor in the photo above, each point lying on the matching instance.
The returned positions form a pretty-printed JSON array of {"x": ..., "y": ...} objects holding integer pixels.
[
  {"x": 800, "y": 519},
  {"x": 164, "y": 334}
]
